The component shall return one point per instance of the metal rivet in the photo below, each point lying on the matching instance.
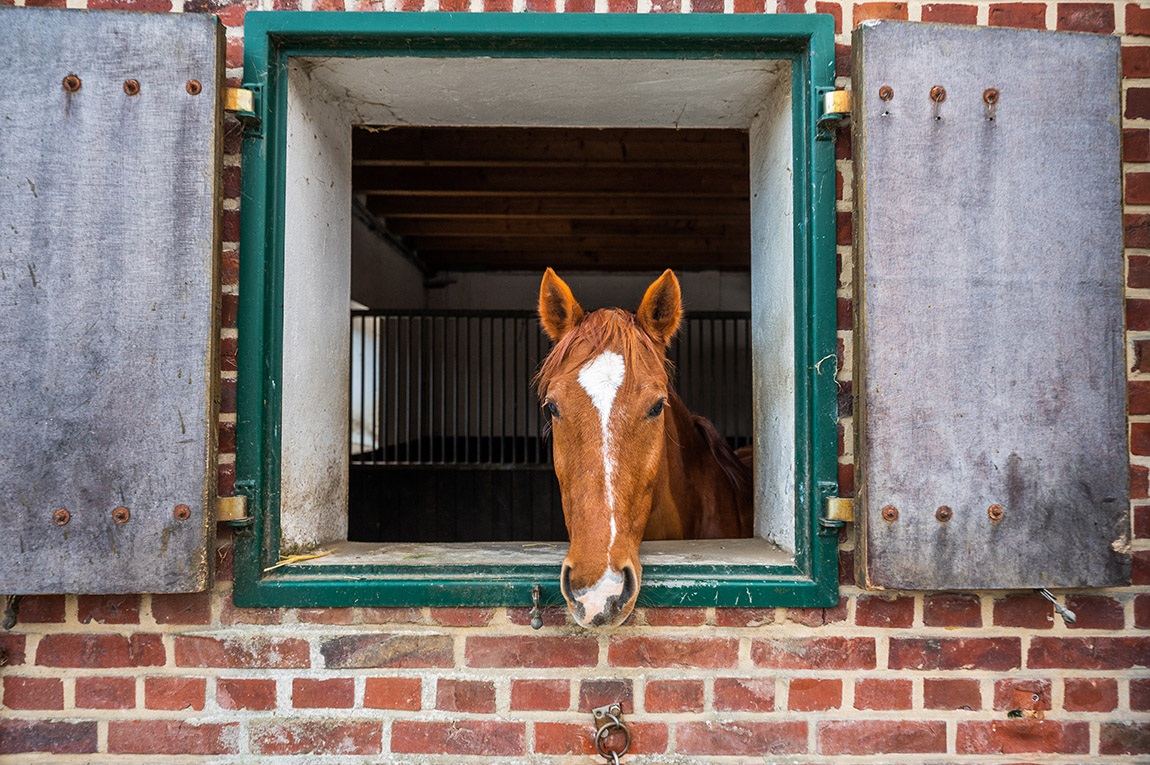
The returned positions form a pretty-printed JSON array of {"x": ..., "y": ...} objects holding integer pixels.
[
  {"x": 889, "y": 513},
  {"x": 182, "y": 512},
  {"x": 121, "y": 515},
  {"x": 990, "y": 96},
  {"x": 61, "y": 517},
  {"x": 71, "y": 83},
  {"x": 938, "y": 94},
  {"x": 194, "y": 87},
  {"x": 995, "y": 512},
  {"x": 943, "y": 514},
  {"x": 132, "y": 87},
  {"x": 886, "y": 92}
]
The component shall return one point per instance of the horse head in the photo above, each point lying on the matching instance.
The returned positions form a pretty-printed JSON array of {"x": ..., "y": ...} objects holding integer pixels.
[{"x": 604, "y": 387}]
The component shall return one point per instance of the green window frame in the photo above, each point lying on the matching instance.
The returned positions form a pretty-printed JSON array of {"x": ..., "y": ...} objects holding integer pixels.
[{"x": 271, "y": 38}]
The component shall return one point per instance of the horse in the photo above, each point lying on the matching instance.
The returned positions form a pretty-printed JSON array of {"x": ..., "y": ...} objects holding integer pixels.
[{"x": 632, "y": 462}]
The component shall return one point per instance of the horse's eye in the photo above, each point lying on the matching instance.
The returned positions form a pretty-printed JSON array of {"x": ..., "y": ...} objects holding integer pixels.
[
  {"x": 657, "y": 409},
  {"x": 552, "y": 410}
]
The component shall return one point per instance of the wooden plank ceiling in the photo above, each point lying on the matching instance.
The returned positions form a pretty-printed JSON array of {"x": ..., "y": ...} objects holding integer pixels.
[{"x": 575, "y": 199}]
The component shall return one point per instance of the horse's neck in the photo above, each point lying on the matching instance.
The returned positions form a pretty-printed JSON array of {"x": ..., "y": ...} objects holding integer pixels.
[{"x": 693, "y": 498}]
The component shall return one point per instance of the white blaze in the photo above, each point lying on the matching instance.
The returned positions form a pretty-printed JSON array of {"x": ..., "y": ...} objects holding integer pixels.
[{"x": 601, "y": 379}]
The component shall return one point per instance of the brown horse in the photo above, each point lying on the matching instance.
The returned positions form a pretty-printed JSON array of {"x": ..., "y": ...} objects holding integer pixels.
[{"x": 632, "y": 462}]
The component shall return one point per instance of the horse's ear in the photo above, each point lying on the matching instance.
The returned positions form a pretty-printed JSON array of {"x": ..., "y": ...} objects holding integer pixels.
[
  {"x": 661, "y": 309},
  {"x": 558, "y": 311}
]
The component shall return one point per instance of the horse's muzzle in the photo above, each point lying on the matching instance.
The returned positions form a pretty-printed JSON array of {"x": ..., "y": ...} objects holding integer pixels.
[{"x": 607, "y": 603}]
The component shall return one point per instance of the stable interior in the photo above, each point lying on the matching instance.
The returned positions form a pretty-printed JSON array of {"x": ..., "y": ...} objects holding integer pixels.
[{"x": 434, "y": 192}]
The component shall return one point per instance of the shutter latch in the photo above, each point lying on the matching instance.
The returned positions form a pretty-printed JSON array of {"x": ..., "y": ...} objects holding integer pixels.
[
  {"x": 244, "y": 102},
  {"x": 836, "y": 110}
]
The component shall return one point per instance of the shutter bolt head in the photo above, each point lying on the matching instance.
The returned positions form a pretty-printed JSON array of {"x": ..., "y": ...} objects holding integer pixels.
[
  {"x": 61, "y": 517},
  {"x": 182, "y": 512},
  {"x": 121, "y": 515},
  {"x": 71, "y": 83},
  {"x": 990, "y": 96},
  {"x": 938, "y": 94},
  {"x": 132, "y": 87},
  {"x": 886, "y": 92},
  {"x": 194, "y": 87},
  {"x": 943, "y": 514},
  {"x": 995, "y": 512},
  {"x": 890, "y": 513}
]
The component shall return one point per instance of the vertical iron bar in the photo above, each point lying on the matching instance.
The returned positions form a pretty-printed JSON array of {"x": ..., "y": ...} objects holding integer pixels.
[
  {"x": 490, "y": 376},
  {"x": 377, "y": 366},
  {"x": 467, "y": 393},
  {"x": 443, "y": 391},
  {"x": 419, "y": 394}
]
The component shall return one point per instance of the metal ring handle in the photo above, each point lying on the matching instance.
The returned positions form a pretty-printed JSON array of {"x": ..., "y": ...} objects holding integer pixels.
[{"x": 602, "y": 735}]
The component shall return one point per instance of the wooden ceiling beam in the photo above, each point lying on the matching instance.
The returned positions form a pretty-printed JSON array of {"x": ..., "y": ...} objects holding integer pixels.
[
  {"x": 560, "y": 206},
  {"x": 488, "y": 180}
]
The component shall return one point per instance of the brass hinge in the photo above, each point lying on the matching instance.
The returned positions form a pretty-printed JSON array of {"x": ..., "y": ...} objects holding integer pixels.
[
  {"x": 840, "y": 509},
  {"x": 244, "y": 102},
  {"x": 233, "y": 511},
  {"x": 835, "y": 112}
]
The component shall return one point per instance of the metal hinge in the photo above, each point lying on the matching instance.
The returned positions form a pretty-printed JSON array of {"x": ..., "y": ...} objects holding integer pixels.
[
  {"x": 835, "y": 112},
  {"x": 837, "y": 510},
  {"x": 245, "y": 103},
  {"x": 233, "y": 511}
]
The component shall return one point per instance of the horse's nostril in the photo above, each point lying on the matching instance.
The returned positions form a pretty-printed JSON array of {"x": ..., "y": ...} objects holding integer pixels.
[
  {"x": 629, "y": 585},
  {"x": 565, "y": 582}
]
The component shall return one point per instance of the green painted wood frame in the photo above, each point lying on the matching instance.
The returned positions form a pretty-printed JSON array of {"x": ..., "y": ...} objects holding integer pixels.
[{"x": 270, "y": 38}]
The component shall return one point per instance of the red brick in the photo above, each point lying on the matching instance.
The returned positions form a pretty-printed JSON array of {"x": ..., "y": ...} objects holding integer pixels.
[
  {"x": 316, "y": 737},
  {"x": 866, "y": 11},
  {"x": 995, "y": 654},
  {"x": 391, "y": 615},
  {"x": 1021, "y": 693},
  {"x": 674, "y": 696},
  {"x": 600, "y": 693},
  {"x": 1138, "y": 391},
  {"x": 230, "y": 266},
  {"x": 33, "y": 692},
  {"x": 843, "y": 148},
  {"x": 951, "y": 693},
  {"x": 808, "y": 694},
  {"x": 311, "y": 693},
  {"x": 540, "y": 694},
  {"x": 388, "y": 650},
  {"x": 393, "y": 693},
  {"x": 1140, "y": 431},
  {"x": 1136, "y": 145},
  {"x": 741, "y": 738},
  {"x": 1030, "y": 611},
  {"x": 1095, "y": 613},
  {"x": 1140, "y": 694},
  {"x": 1140, "y": 569},
  {"x": 1137, "y": 107},
  {"x": 818, "y": 617},
  {"x": 487, "y": 737},
  {"x": 706, "y": 6},
  {"x": 750, "y": 6},
  {"x": 461, "y": 617},
  {"x": 945, "y": 13},
  {"x": 1139, "y": 475},
  {"x": 552, "y": 617},
  {"x": 881, "y": 737},
  {"x": 174, "y": 692},
  {"x": 744, "y": 694},
  {"x": 576, "y": 738},
  {"x": 476, "y": 696},
  {"x": 1124, "y": 738},
  {"x": 1090, "y": 694},
  {"x": 704, "y": 653},
  {"x": 1135, "y": 64},
  {"x": 228, "y": 351},
  {"x": 226, "y": 480},
  {"x": 232, "y": 614},
  {"x": 105, "y": 692},
  {"x": 792, "y": 6},
  {"x": 879, "y": 693},
  {"x": 1137, "y": 19},
  {"x": 1089, "y": 652},
  {"x": 100, "y": 650},
  {"x": 230, "y": 224},
  {"x": 843, "y": 230},
  {"x": 814, "y": 653},
  {"x": 1024, "y": 15},
  {"x": 530, "y": 652},
  {"x": 40, "y": 609},
  {"x": 1142, "y": 520},
  {"x": 666, "y": 6},
  {"x": 19, "y": 736},
  {"x": 317, "y": 615},
  {"x": 846, "y": 560},
  {"x": 1142, "y": 612},
  {"x": 12, "y": 649},
  {"x": 579, "y": 6},
  {"x": 884, "y": 611},
  {"x": 1086, "y": 17},
  {"x": 952, "y": 609},
  {"x": 108, "y": 609},
  {"x": 842, "y": 66},
  {"x": 1023, "y": 736},
  {"x": 248, "y": 652},
  {"x": 130, "y": 5},
  {"x": 172, "y": 737},
  {"x": 675, "y": 617},
  {"x": 237, "y": 693},
  {"x": 833, "y": 9},
  {"x": 744, "y": 617}
]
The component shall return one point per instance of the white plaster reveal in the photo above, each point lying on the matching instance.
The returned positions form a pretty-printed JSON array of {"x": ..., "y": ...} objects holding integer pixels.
[{"x": 601, "y": 379}]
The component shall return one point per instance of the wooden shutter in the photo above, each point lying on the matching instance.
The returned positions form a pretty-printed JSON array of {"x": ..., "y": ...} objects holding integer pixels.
[
  {"x": 109, "y": 160},
  {"x": 990, "y": 356}
]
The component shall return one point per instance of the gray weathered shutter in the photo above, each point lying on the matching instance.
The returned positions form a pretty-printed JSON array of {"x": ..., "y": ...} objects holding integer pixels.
[
  {"x": 109, "y": 160},
  {"x": 990, "y": 355}
]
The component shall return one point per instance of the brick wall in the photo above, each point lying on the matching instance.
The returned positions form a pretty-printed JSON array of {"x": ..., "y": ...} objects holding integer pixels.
[{"x": 915, "y": 677}]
